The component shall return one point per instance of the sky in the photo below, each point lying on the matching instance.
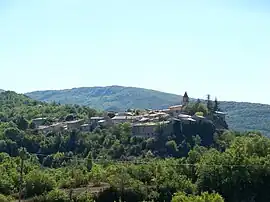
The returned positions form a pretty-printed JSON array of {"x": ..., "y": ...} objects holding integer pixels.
[{"x": 216, "y": 47}]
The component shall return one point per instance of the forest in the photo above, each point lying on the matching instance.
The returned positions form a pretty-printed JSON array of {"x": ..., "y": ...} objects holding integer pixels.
[{"x": 109, "y": 164}]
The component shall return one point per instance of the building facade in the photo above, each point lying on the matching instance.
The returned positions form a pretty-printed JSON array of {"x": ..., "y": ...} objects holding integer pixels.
[{"x": 71, "y": 125}]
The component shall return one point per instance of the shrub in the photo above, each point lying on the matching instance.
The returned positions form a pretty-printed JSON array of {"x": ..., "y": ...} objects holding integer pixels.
[
  {"x": 57, "y": 196},
  {"x": 85, "y": 197},
  {"x": 199, "y": 114},
  {"x": 4, "y": 198},
  {"x": 38, "y": 182},
  {"x": 204, "y": 197}
]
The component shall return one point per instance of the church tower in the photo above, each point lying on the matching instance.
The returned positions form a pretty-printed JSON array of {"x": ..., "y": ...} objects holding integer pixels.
[{"x": 185, "y": 99}]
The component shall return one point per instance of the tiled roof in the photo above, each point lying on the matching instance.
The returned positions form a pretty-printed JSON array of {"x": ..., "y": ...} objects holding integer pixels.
[{"x": 97, "y": 118}]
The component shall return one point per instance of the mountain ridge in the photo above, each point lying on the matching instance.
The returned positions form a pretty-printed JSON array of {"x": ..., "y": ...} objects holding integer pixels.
[
  {"x": 241, "y": 115},
  {"x": 78, "y": 88}
]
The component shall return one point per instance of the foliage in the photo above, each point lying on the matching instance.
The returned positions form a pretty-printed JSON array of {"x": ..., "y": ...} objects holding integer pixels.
[
  {"x": 244, "y": 166},
  {"x": 25, "y": 109},
  {"x": 84, "y": 197},
  {"x": 53, "y": 196},
  {"x": 199, "y": 114},
  {"x": 204, "y": 197},
  {"x": 5, "y": 198},
  {"x": 193, "y": 108},
  {"x": 237, "y": 169},
  {"x": 38, "y": 182},
  {"x": 89, "y": 161}
]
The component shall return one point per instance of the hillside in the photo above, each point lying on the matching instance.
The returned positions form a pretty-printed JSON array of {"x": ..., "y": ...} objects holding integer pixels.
[
  {"x": 13, "y": 105},
  {"x": 115, "y": 98},
  {"x": 241, "y": 115}
]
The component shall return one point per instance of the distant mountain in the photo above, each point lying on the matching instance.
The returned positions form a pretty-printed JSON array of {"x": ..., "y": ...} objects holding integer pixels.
[
  {"x": 109, "y": 98},
  {"x": 241, "y": 115},
  {"x": 1, "y": 90}
]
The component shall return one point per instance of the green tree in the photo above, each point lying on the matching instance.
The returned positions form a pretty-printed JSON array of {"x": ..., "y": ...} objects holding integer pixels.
[
  {"x": 243, "y": 170},
  {"x": 192, "y": 108},
  {"x": 38, "y": 182},
  {"x": 84, "y": 197},
  {"x": 57, "y": 196},
  {"x": 89, "y": 161},
  {"x": 69, "y": 117},
  {"x": 171, "y": 147},
  {"x": 14, "y": 134},
  {"x": 32, "y": 125},
  {"x": 199, "y": 114},
  {"x": 209, "y": 104},
  {"x": 97, "y": 175},
  {"x": 22, "y": 123},
  {"x": 204, "y": 197},
  {"x": 4, "y": 198},
  {"x": 216, "y": 105}
]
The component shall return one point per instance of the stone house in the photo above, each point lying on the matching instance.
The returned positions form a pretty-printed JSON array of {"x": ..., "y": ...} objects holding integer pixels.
[
  {"x": 85, "y": 127},
  {"x": 76, "y": 124},
  {"x": 100, "y": 121},
  {"x": 39, "y": 121},
  {"x": 94, "y": 121},
  {"x": 148, "y": 129},
  {"x": 57, "y": 127},
  {"x": 124, "y": 119},
  {"x": 175, "y": 110}
]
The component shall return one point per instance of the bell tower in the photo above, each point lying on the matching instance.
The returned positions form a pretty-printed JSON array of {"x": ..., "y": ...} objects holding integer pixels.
[{"x": 185, "y": 99}]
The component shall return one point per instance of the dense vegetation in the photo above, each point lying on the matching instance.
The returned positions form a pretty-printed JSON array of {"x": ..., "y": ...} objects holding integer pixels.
[
  {"x": 108, "y": 164},
  {"x": 241, "y": 116},
  {"x": 13, "y": 106}
]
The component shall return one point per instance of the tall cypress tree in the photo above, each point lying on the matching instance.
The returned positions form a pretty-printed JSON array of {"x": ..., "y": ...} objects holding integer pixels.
[
  {"x": 216, "y": 105},
  {"x": 89, "y": 161},
  {"x": 209, "y": 104}
]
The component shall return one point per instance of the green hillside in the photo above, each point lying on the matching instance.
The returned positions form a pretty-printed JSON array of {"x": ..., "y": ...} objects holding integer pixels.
[
  {"x": 241, "y": 116},
  {"x": 109, "y": 98},
  {"x": 13, "y": 105}
]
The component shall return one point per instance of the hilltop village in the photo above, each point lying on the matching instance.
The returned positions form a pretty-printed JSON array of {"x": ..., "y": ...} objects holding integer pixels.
[{"x": 144, "y": 123}]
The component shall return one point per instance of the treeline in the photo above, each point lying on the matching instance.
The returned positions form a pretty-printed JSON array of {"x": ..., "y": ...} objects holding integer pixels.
[{"x": 236, "y": 169}]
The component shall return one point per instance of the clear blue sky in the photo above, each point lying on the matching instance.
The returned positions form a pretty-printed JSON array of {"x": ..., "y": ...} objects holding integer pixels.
[{"x": 221, "y": 47}]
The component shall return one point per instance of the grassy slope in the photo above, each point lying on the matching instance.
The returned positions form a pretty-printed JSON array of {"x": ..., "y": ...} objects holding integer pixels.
[{"x": 241, "y": 116}]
